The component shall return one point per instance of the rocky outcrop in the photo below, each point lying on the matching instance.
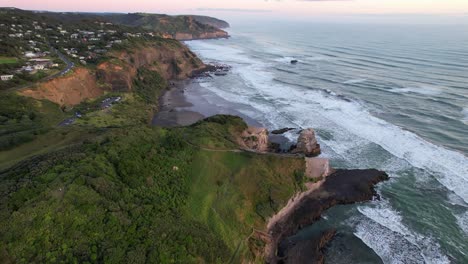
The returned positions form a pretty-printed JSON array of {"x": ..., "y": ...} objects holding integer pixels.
[
  {"x": 307, "y": 251},
  {"x": 255, "y": 139},
  {"x": 281, "y": 131},
  {"x": 317, "y": 168},
  {"x": 341, "y": 187},
  {"x": 307, "y": 144}
]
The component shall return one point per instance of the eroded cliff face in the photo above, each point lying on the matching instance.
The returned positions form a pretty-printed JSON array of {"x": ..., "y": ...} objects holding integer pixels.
[
  {"x": 170, "y": 59},
  {"x": 68, "y": 90}
]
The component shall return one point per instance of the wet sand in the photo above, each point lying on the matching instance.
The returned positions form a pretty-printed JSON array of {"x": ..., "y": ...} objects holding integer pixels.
[{"x": 186, "y": 102}]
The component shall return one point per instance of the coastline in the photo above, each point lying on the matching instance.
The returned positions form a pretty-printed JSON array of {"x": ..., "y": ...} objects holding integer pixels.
[{"x": 186, "y": 102}]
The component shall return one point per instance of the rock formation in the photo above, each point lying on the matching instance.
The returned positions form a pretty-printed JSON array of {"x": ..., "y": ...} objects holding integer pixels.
[
  {"x": 341, "y": 187},
  {"x": 307, "y": 144},
  {"x": 255, "y": 139},
  {"x": 281, "y": 131},
  {"x": 317, "y": 168}
]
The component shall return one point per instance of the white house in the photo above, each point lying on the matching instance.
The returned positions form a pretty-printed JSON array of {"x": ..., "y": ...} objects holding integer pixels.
[
  {"x": 39, "y": 66},
  {"x": 6, "y": 77},
  {"x": 30, "y": 54}
]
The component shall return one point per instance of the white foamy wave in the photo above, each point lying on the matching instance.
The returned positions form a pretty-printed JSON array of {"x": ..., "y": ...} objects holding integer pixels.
[
  {"x": 354, "y": 81},
  {"x": 462, "y": 221},
  {"x": 465, "y": 115},
  {"x": 449, "y": 167},
  {"x": 383, "y": 230},
  {"x": 317, "y": 58},
  {"x": 423, "y": 89},
  {"x": 285, "y": 59}
]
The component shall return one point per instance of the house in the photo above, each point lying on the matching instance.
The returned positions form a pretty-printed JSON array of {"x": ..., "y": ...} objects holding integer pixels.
[
  {"x": 6, "y": 77},
  {"x": 30, "y": 54},
  {"x": 74, "y": 36},
  {"x": 39, "y": 66}
]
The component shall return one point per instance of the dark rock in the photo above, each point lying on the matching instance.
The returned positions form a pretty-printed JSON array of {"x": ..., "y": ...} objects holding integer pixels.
[
  {"x": 341, "y": 187},
  {"x": 307, "y": 144},
  {"x": 311, "y": 250},
  {"x": 294, "y": 61},
  {"x": 281, "y": 131}
]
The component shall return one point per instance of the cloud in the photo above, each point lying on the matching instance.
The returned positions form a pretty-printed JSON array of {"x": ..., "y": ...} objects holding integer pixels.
[{"x": 242, "y": 10}]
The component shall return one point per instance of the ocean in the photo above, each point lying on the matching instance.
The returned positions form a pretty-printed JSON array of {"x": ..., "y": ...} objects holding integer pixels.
[{"x": 391, "y": 97}]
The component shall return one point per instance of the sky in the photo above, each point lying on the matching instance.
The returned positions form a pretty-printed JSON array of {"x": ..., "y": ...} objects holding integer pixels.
[{"x": 255, "y": 8}]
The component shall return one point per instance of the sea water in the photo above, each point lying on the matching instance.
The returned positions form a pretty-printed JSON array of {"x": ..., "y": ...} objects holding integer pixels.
[{"x": 391, "y": 97}]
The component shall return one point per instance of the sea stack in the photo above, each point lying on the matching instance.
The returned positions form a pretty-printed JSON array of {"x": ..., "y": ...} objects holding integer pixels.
[{"x": 307, "y": 144}]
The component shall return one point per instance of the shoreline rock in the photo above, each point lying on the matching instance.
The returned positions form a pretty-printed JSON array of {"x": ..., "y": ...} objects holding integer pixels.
[
  {"x": 307, "y": 144},
  {"x": 281, "y": 131},
  {"x": 341, "y": 187}
]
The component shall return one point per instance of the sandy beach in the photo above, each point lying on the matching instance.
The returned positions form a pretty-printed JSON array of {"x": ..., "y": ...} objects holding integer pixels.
[{"x": 186, "y": 102}]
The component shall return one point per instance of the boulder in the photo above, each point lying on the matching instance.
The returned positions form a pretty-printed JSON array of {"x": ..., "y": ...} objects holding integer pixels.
[
  {"x": 255, "y": 138},
  {"x": 307, "y": 144}
]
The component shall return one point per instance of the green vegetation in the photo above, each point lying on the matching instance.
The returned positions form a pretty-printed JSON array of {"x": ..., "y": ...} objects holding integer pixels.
[
  {"x": 149, "y": 85},
  {"x": 168, "y": 24},
  {"x": 110, "y": 188},
  {"x": 8, "y": 60},
  {"x": 142, "y": 194},
  {"x": 23, "y": 119}
]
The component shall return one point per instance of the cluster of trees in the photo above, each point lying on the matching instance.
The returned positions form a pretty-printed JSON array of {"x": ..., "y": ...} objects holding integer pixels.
[
  {"x": 115, "y": 200},
  {"x": 22, "y": 120},
  {"x": 149, "y": 85}
]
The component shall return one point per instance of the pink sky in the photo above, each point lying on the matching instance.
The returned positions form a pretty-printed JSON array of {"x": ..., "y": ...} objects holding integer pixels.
[{"x": 275, "y": 7}]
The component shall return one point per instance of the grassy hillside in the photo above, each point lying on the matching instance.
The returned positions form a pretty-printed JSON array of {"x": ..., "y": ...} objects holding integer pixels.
[
  {"x": 172, "y": 25},
  {"x": 214, "y": 22},
  {"x": 141, "y": 194}
]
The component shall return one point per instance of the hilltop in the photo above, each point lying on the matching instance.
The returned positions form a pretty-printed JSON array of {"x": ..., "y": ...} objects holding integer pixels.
[{"x": 178, "y": 27}]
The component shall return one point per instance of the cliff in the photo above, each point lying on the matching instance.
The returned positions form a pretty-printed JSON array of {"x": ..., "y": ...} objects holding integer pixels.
[{"x": 169, "y": 58}]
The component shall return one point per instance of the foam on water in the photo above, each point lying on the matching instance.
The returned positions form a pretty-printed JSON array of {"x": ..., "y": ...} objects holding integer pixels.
[
  {"x": 462, "y": 221},
  {"x": 354, "y": 81},
  {"x": 421, "y": 89},
  {"x": 383, "y": 230},
  {"x": 465, "y": 115}
]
